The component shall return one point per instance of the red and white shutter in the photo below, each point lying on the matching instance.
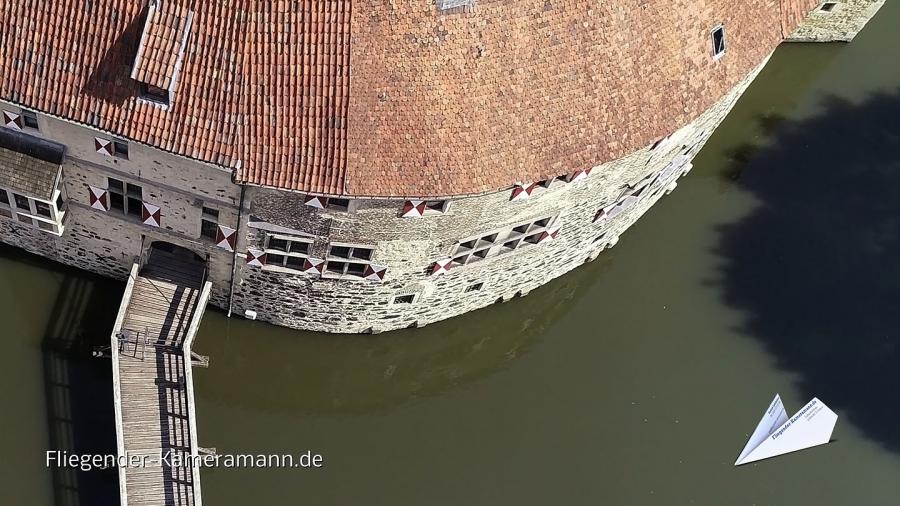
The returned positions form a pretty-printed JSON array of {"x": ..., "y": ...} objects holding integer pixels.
[
  {"x": 413, "y": 209},
  {"x": 317, "y": 202},
  {"x": 441, "y": 266},
  {"x": 256, "y": 257},
  {"x": 99, "y": 198},
  {"x": 226, "y": 237},
  {"x": 150, "y": 214},
  {"x": 12, "y": 120},
  {"x": 548, "y": 235},
  {"x": 103, "y": 146},
  {"x": 578, "y": 175},
  {"x": 374, "y": 272},
  {"x": 522, "y": 191},
  {"x": 313, "y": 266}
]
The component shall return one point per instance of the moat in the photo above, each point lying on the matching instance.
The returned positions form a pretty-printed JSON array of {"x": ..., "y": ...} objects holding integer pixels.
[{"x": 633, "y": 380}]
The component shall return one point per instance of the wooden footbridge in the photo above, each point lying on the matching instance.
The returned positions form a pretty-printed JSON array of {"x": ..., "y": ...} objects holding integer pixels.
[{"x": 152, "y": 383}]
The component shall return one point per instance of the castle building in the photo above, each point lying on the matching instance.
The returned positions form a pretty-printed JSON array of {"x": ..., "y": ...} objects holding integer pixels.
[{"x": 362, "y": 166}]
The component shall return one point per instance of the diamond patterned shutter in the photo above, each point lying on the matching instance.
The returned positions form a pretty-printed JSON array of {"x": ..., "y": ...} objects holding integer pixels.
[
  {"x": 313, "y": 266},
  {"x": 413, "y": 209},
  {"x": 441, "y": 266},
  {"x": 103, "y": 146},
  {"x": 226, "y": 237},
  {"x": 99, "y": 198},
  {"x": 256, "y": 257},
  {"x": 12, "y": 120},
  {"x": 150, "y": 214},
  {"x": 374, "y": 272},
  {"x": 317, "y": 202},
  {"x": 578, "y": 175},
  {"x": 548, "y": 235},
  {"x": 522, "y": 191}
]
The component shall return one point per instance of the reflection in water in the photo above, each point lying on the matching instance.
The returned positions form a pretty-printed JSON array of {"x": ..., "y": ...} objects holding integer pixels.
[
  {"x": 79, "y": 387},
  {"x": 321, "y": 373},
  {"x": 815, "y": 265}
]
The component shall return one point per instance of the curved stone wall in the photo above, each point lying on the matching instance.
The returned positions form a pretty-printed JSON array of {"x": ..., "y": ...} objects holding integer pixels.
[{"x": 409, "y": 247}]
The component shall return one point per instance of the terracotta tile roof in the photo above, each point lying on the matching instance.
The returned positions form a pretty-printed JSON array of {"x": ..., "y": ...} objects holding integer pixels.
[
  {"x": 440, "y": 103},
  {"x": 162, "y": 43}
]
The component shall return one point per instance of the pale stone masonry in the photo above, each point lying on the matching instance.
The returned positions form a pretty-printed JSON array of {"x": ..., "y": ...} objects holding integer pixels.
[{"x": 350, "y": 264}]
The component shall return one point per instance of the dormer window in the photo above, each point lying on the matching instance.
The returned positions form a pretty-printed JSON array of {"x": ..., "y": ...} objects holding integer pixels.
[
  {"x": 154, "y": 94},
  {"x": 718, "y": 42},
  {"x": 161, "y": 50}
]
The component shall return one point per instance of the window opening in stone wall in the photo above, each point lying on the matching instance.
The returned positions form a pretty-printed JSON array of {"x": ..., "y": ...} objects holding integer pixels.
[
  {"x": 337, "y": 204},
  {"x": 496, "y": 243},
  {"x": 29, "y": 119},
  {"x": 26, "y": 219},
  {"x": 120, "y": 149},
  {"x": 4, "y": 198},
  {"x": 42, "y": 209},
  {"x": 718, "y": 40},
  {"x": 5, "y": 213},
  {"x": 405, "y": 299},
  {"x": 475, "y": 287},
  {"x": 828, "y": 6},
  {"x": 346, "y": 259},
  {"x": 436, "y": 206},
  {"x": 286, "y": 251},
  {"x": 124, "y": 197},
  {"x": 209, "y": 223}
]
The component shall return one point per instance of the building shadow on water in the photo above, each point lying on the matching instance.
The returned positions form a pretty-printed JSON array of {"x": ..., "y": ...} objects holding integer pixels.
[
  {"x": 815, "y": 267},
  {"x": 80, "y": 416}
]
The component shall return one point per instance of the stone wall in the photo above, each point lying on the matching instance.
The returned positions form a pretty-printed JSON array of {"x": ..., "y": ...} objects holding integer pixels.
[
  {"x": 841, "y": 24},
  {"x": 408, "y": 247},
  {"x": 109, "y": 242}
]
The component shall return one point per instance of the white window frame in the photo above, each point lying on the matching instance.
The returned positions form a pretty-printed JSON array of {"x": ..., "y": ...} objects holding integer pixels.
[
  {"x": 333, "y": 259},
  {"x": 500, "y": 241},
  {"x": 54, "y": 222},
  {"x": 712, "y": 34},
  {"x": 286, "y": 253}
]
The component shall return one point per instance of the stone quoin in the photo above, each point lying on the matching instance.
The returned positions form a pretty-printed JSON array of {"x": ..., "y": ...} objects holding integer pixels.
[{"x": 349, "y": 166}]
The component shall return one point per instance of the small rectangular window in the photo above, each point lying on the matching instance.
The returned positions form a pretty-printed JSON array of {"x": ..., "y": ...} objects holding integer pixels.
[
  {"x": 120, "y": 149},
  {"x": 489, "y": 245},
  {"x": 285, "y": 251},
  {"x": 476, "y": 287},
  {"x": 127, "y": 198},
  {"x": 115, "y": 185},
  {"x": 5, "y": 213},
  {"x": 22, "y": 202},
  {"x": 43, "y": 225},
  {"x": 718, "y": 40},
  {"x": 346, "y": 259},
  {"x": 828, "y": 6},
  {"x": 337, "y": 204},
  {"x": 26, "y": 219},
  {"x": 4, "y": 198},
  {"x": 42, "y": 209},
  {"x": 209, "y": 223},
  {"x": 154, "y": 94},
  {"x": 405, "y": 299},
  {"x": 29, "y": 119}
]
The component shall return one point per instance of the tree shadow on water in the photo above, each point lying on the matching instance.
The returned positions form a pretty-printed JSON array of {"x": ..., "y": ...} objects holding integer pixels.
[{"x": 815, "y": 267}]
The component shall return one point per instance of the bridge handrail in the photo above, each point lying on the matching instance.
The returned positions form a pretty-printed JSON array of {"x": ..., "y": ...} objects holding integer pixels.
[
  {"x": 189, "y": 381},
  {"x": 117, "y": 386}
]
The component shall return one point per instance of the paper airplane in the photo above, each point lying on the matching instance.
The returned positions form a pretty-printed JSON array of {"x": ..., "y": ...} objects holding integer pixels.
[{"x": 777, "y": 434}]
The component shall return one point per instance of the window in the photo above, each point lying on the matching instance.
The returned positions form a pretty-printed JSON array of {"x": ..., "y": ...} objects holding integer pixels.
[
  {"x": 718, "y": 40},
  {"x": 436, "y": 206},
  {"x": 120, "y": 149},
  {"x": 346, "y": 259},
  {"x": 154, "y": 94},
  {"x": 4, "y": 198},
  {"x": 26, "y": 219},
  {"x": 405, "y": 299},
  {"x": 287, "y": 251},
  {"x": 496, "y": 243},
  {"x": 126, "y": 198},
  {"x": 22, "y": 202},
  {"x": 43, "y": 209},
  {"x": 476, "y": 287},
  {"x": 43, "y": 225},
  {"x": 337, "y": 204},
  {"x": 29, "y": 119},
  {"x": 209, "y": 223},
  {"x": 828, "y": 6},
  {"x": 5, "y": 213}
]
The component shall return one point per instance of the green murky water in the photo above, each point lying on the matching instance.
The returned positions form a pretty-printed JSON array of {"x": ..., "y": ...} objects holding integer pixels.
[{"x": 634, "y": 380}]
